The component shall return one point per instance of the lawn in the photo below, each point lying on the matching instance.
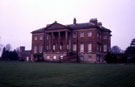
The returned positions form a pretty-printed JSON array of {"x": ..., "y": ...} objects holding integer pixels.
[{"x": 23, "y": 74}]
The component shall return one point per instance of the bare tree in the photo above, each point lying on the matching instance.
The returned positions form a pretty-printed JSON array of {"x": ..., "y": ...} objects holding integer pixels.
[{"x": 8, "y": 47}]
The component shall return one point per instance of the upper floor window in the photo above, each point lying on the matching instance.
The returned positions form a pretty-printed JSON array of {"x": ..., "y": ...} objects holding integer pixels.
[
  {"x": 105, "y": 36},
  {"x": 40, "y": 49},
  {"x": 54, "y": 47},
  {"x": 35, "y": 38},
  {"x": 47, "y": 37},
  {"x": 81, "y": 47},
  {"x": 41, "y": 37},
  {"x": 47, "y": 48},
  {"x": 105, "y": 48},
  {"x": 89, "y": 34},
  {"x": 89, "y": 47},
  {"x": 97, "y": 35},
  {"x": 74, "y": 47},
  {"x": 81, "y": 34},
  {"x": 74, "y": 34},
  {"x": 48, "y": 57},
  {"x": 35, "y": 49}
]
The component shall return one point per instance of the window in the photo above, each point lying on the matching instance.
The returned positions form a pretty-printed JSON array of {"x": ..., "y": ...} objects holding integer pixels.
[
  {"x": 47, "y": 37},
  {"x": 48, "y": 57},
  {"x": 74, "y": 47},
  {"x": 74, "y": 34},
  {"x": 105, "y": 48},
  {"x": 67, "y": 46},
  {"x": 81, "y": 34},
  {"x": 41, "y": 37},
  {"x": 100, "y": 48},
  {"x": 54, "y": 47},
  {"x": 89, "y": 47},
  {"x": 97, "y": 47},
  {"x": 35, "y": 38},
  {"x": 40, "y": 49},
  {"x": 60, "y": 47},
  {"x": 61, "y": 57},
  {"x": 89, "y": 34},
  {"x": 47, "y": 47},
  {"x": 54, "y": 57},
  {"x": 105, "y": 36},
  {"x": 81, "y": 57},
  {"x": 89, "y": 58},
  {"x": 81, "y": 47},
  {"x": 35, "y": 49},
  {"x": 97, "y": 35}
]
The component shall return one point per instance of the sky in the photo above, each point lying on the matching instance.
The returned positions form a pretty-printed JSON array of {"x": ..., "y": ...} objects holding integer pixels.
[{"x": 18, "y": 18}]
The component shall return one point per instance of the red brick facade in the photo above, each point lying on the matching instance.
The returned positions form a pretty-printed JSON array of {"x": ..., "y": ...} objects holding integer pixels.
[{"x": 85, "y": 42}]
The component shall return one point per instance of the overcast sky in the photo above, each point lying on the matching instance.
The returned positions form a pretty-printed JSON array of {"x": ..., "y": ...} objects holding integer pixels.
[{"x": 19, "y": 17}]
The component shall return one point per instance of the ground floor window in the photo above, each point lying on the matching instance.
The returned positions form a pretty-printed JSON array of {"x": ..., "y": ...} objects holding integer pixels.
[
  {"x": 81, "y": 47},
  {"x": 61, "y": 57},
  {"x": 81, "y": 57},
  {"x": 54, "y": 57},
  {"x": 89, "y": 58},
  {"x": 48, "y": 57},
  {"x": 74, "y": 47}
]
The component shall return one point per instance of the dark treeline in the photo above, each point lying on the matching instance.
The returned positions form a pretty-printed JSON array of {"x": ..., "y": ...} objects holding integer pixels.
[
  {"x": 127, "y": 57},
  {"x": 9, "y": 55}
]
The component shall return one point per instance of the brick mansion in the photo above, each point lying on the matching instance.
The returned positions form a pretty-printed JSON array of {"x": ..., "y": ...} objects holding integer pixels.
[{"x": 78, "y": 42}]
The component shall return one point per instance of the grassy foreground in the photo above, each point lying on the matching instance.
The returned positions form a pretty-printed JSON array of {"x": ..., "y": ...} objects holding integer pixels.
[{"x": 22, "y": 74}]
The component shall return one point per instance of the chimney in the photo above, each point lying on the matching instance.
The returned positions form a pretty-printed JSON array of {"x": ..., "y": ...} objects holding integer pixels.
[
  {"x": 94, "y": 20},
  {"x": 74, "y": 21},
  {"x": 100, "y": 23}
]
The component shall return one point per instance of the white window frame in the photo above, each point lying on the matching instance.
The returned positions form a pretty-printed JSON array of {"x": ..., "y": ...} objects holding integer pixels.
[
  {"x": 41, "y": 37},
  {"x": 81, "y": 34},
  {"x": 54, "y": 47},
  {"x": 74, "y": 47},
  {"x": 48, "y": 57},
  {"x": 81, "y": 47},
  {"x": 35, "y": 37},
  {"x": 105, "y": 48},
  {"x": 35, "y": 49},
  {"x": 89, "y": 47},
  {"x": 89, "y": 34},
  {"x": 40, "y": 49},
  {"x": 54, "y": 57}
]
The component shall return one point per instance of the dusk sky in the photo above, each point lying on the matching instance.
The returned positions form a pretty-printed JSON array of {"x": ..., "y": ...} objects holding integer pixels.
[{"x": 20, "y": 17}]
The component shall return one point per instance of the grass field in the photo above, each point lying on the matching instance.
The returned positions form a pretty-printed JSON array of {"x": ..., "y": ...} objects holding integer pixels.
[{"x": 22, "y": 74}]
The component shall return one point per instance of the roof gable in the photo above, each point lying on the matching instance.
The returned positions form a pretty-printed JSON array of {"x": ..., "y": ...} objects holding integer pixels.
[{"x": 55, "y": 25}]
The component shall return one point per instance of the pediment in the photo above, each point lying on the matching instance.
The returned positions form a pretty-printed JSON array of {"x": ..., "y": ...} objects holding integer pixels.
[{"x": 55, "y": 26}]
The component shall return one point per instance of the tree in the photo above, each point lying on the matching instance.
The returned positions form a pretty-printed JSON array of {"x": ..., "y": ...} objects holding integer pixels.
[
  {"x": 8, "y": 47},
  {"x": 110, "y": 58},
  {"x": 116, "y": 50}
]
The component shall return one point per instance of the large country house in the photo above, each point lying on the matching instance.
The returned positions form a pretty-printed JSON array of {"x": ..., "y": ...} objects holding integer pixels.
[{"x": 77, "y": 42}]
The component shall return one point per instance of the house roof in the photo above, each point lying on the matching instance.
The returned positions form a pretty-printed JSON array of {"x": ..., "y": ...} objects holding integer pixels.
[{"x": 56, "y": 25}]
